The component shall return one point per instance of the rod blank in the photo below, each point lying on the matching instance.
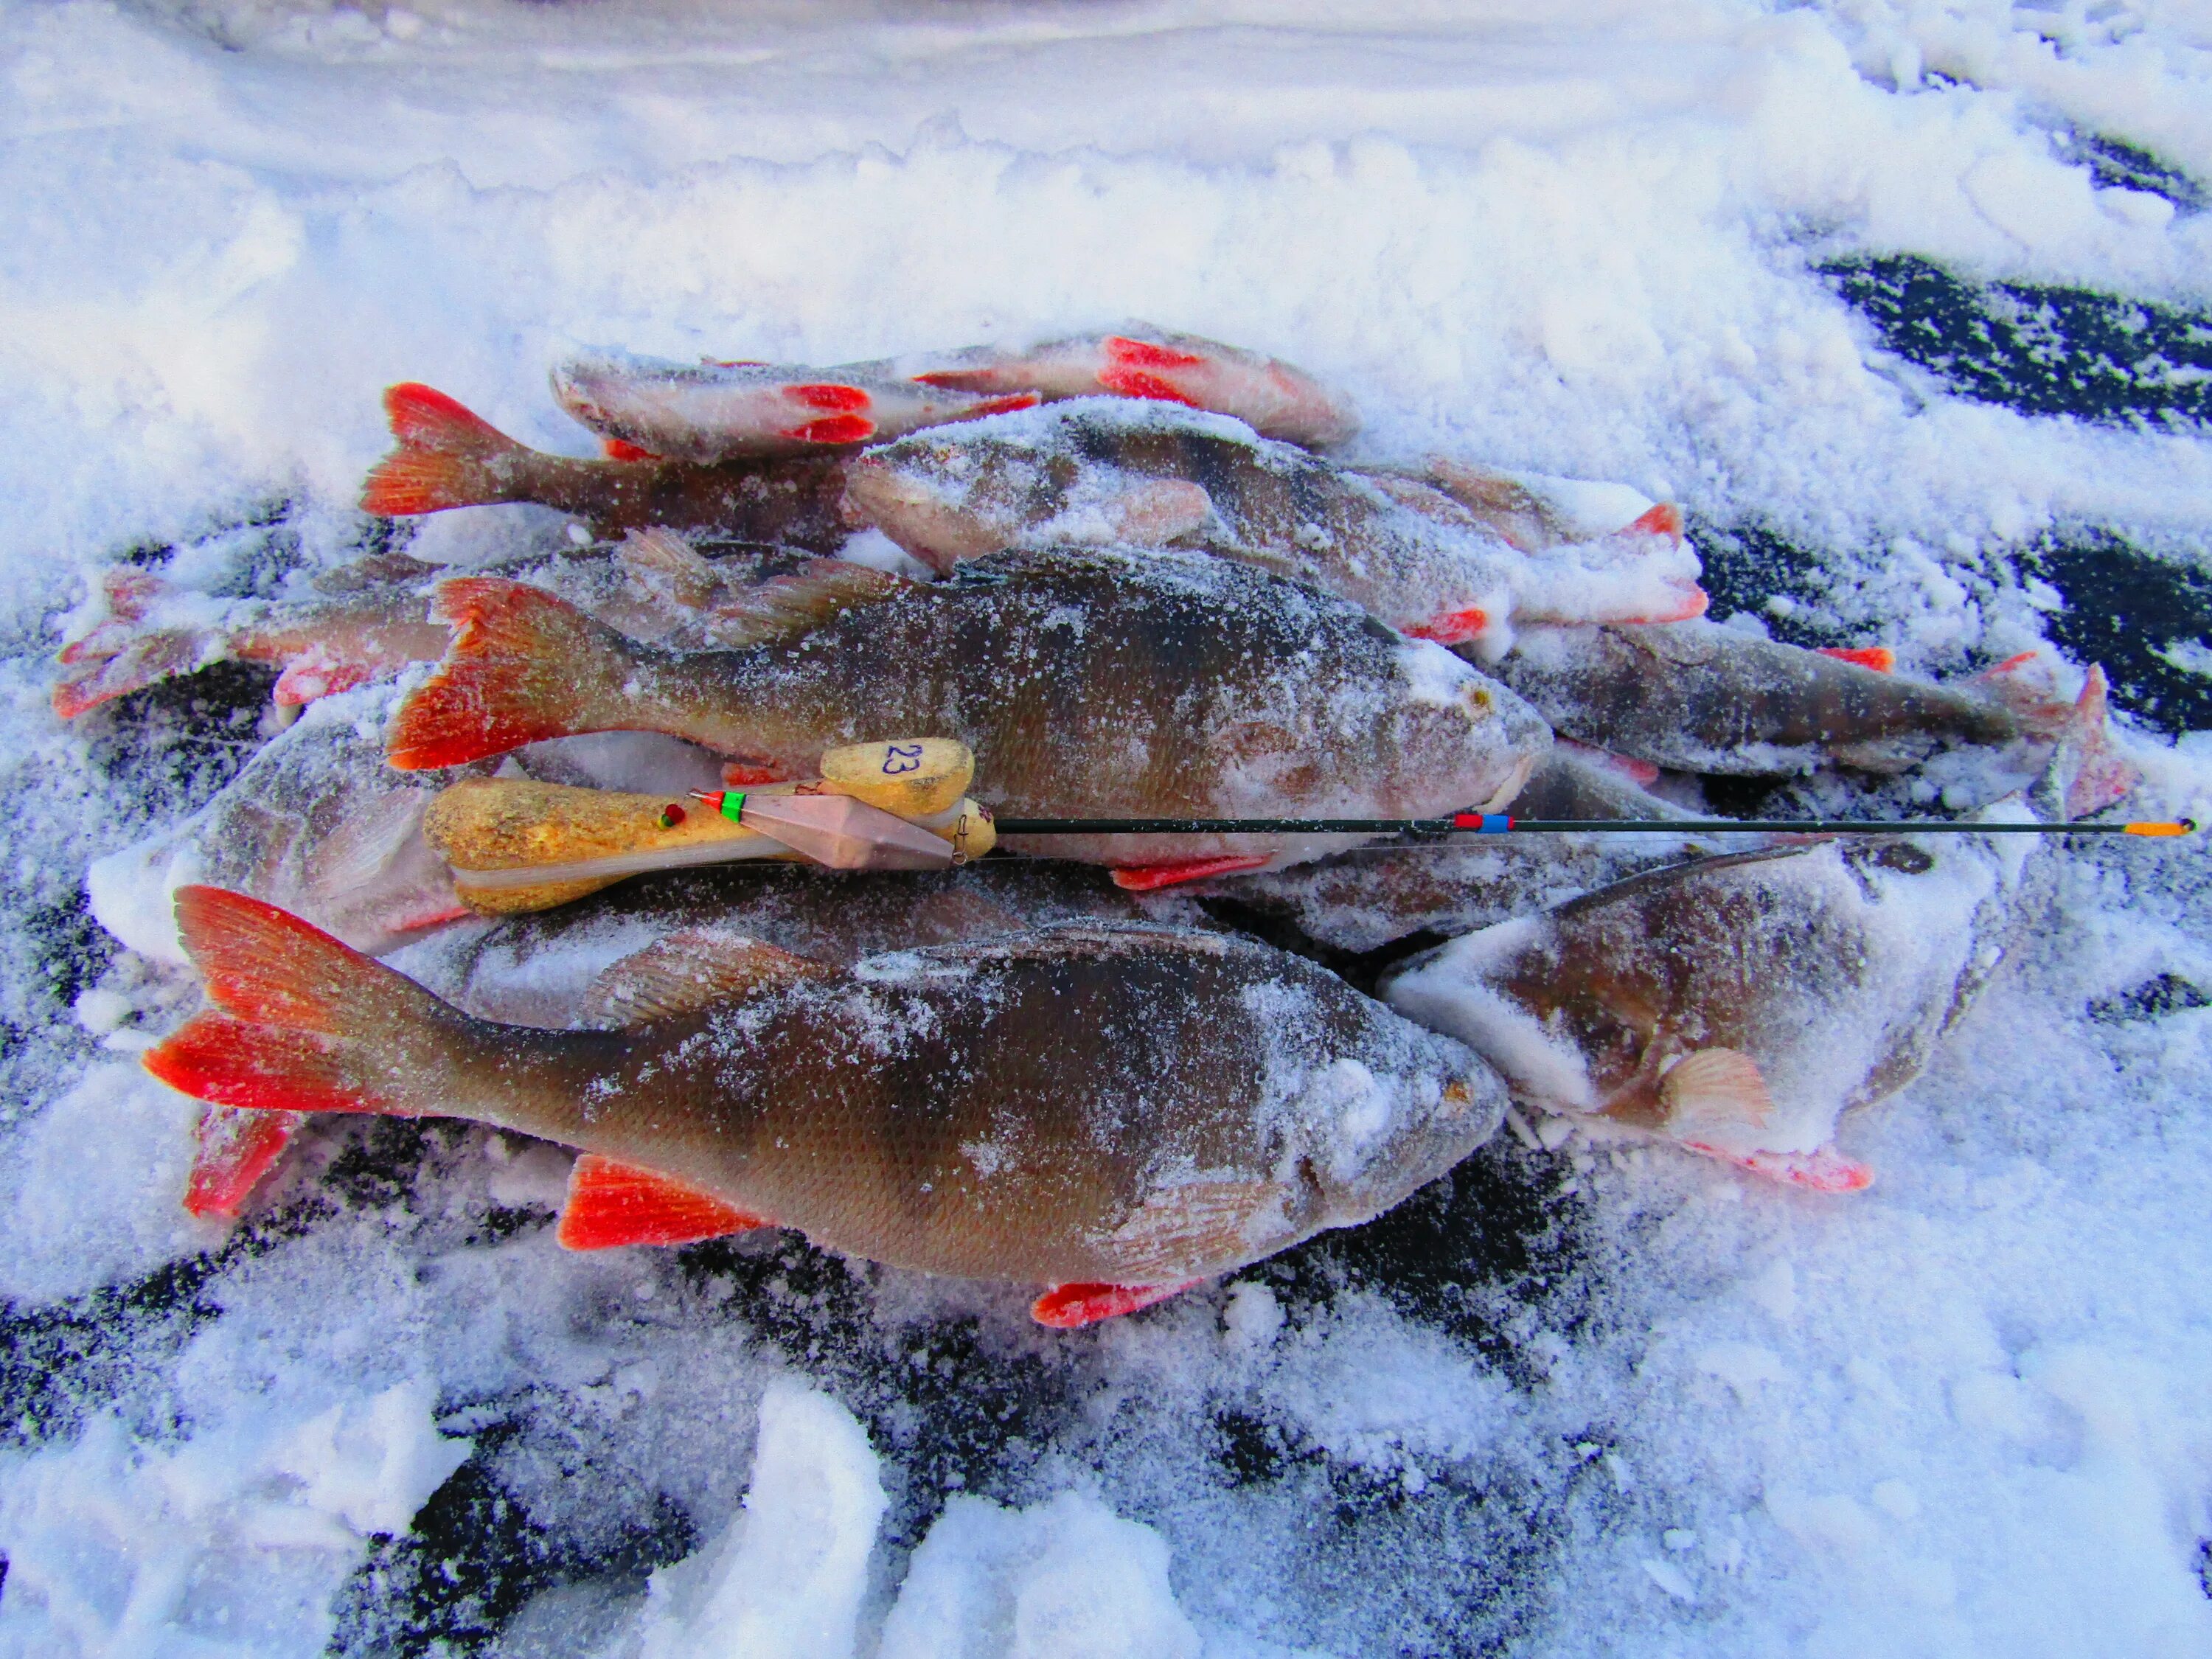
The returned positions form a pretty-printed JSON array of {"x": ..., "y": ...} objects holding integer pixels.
[{"x": 1499, "y": 823}]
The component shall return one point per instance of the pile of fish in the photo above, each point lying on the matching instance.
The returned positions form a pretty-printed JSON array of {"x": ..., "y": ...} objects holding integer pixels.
[{"x": 804, "y": 613}]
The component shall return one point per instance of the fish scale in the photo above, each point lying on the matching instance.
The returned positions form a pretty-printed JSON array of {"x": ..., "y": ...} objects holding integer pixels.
[
  {"x": 1086, "y": 683},
  {"x": 1091, "y": 1103}
]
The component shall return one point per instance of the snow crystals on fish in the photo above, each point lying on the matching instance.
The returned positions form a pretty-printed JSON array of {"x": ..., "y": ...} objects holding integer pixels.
[
  {"x": 1150, "y": 1136},
  {"x": 1192, "y": 687},
  {"x": 1110, "y": 470}
]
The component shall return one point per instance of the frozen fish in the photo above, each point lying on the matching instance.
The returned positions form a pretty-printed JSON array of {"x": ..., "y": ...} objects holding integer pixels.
[
  {"x": 545, "y": 970},
  {"x": 345, "y": 627},
  {"x": 1382, "y": 895},
  {"x": 710, "y": 412},
  {"x": 1102, "y": 470},
  {"x": 1112, "y": 1112},
  {"x": 1739, "y": 1004},
  {"x": 448, "y": 456},
  {"x": 1701, "y": 697},
  {"x": 1100, "y": 684},
  {"x": 316, "y": 822},
  {"x": 323, "y": 640},
  {"x": 1268, "y": 395},
  {"x": 539, "y": 968}
]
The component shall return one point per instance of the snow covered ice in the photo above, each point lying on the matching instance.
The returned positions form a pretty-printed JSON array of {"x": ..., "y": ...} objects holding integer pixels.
[{"x": 1571, "y": 1399}]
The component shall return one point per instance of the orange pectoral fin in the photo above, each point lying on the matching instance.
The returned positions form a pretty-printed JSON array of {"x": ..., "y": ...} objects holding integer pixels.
[
  {"x": 1454, "y": 628},
  {"x": 612, "y": 1204},
  {"x": 1664, "y": 519},
  {"x": 236, "y": 1149},
  {"x": 622, "y": 449},
  {"x": 1826, "y": 1171},
  {"x": 305, "y": 678},
  {"x": 832, "y": 430},
  {"x": 1136, "y": 383},
  {"x": 1147, "y": 878},
  {"x": 1880, "y": 657},
  {"x": 1070, "y": 1307},
  {"x": 1013, "y": 403},
  {"x": 1126, "y": 353}
]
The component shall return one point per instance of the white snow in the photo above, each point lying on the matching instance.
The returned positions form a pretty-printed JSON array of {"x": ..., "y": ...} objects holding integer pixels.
[
  {"x": 785, "y": 1581},
  {"x": 1962, "y": 1413}
]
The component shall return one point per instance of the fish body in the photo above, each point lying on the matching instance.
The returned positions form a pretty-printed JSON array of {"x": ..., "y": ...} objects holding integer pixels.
[
  {"x": 539, "y": 968},
  {"x": 1701, "y": 697},
  {"x": 324, "y": 642},
  {"x": 367, "y": 621},
  {"x": 449, "y": 458},
  {"x": 1535, "y": 511},
  {"x": 1130, "y": 1105},
  {"x": 1096, "y": 684},
  {"x": 716, "y": 412},
  {"x": 1114, "y": 470},
  {"x": 1810, "y": 978},
  {"x": 1271, "y": 397},
  {"x": 1450, "y": 887},
  {"x": 316, "y": 822}
]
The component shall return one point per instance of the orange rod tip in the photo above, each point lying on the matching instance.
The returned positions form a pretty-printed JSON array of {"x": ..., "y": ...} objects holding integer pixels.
[{"x": 2185, "y": 827}]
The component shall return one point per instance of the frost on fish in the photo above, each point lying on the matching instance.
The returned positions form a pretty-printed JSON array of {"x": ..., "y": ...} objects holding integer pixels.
[
  {"x": 1155, "y": 1105},
  {"x": 1791, "y": 982},
  {"x": 710, "y": 411},
  {"x": 448, "y": 456},
  {"x": 1103, "y": 471},
  {"x": 540, "y": 969},
  {"x": 316, "y": 822},
  {"x": 1381, "y": 895},
  {"x": 1705, "y": 698},
  {"x": 325, "y": 636},
  {"x": 1268, "y": 395},
  {"x": 342, "y": 628},
  {"x": 1099, "y": 683}
]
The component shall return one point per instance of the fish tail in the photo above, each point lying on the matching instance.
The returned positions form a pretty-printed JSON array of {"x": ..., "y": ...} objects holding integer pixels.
[
  {"x": 126, "y": 651},
  {"x": 523, "y": 666},
  {"x": 447, "y": 457},
  {"x": 300, "y": 1021},
  {"x": 2087, "y": 773},
  {"x": 2025, "y": 687},
  {"x": 90, "y": 678}
]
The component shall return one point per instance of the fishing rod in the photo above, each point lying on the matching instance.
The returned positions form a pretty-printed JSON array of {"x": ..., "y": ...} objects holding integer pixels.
[{"x": 1501, "y": 823}]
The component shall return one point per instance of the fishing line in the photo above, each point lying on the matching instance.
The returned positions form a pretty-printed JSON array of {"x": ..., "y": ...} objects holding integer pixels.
[{"x": 1500, "y": 823}]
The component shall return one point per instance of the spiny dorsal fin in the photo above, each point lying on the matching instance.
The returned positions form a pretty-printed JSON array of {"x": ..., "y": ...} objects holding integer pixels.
[
  {"x": 661, "y": 559},
  {"x": 687, "y": 973},
  {"x": 1714, "y": 1090},
  {"x": 612, "y": 1204},
  {"x": 784, "y": 609}
]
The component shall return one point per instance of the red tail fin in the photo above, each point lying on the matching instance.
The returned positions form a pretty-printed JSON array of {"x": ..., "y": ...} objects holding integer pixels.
[
  {"x": 236, "y": 1149},
  {"x": 2095, "y": 774},
  {"x": 89, "y": 681},
  {"x": 1878, "y": 658},
  {"x": 1664, "y": 519},
  {"x": 523, "y": 666},
  {"x": 300, "y": 1021},
  {"x": 447, "y": 457}
]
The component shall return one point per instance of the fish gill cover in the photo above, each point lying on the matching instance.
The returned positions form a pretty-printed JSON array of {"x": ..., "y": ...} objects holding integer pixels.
[{"x": 1567, "y": 1399}]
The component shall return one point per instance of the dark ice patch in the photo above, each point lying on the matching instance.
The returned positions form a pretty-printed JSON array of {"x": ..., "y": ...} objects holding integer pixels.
[
  {"x": 2115, "y": 164},
  {"x": 2135, "y": 614},
  {"x": 2154, "y": 998},
  {"x": 2035, "y": 349},
  {"x": 472, "y": 1557},
  {"x": 1746, "y": 564}
]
